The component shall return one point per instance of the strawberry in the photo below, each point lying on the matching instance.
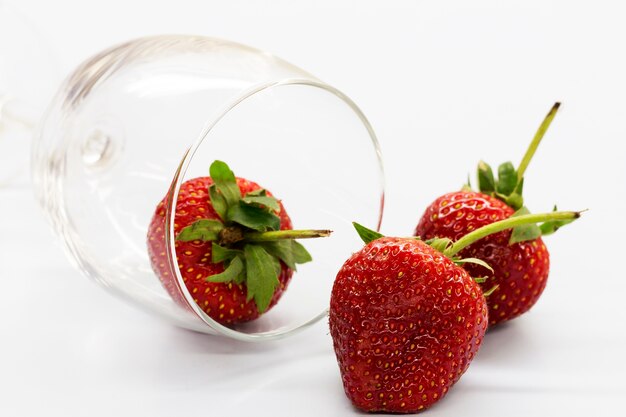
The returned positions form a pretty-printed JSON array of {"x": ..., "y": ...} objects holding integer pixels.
[
  {"x": 520, "y": 269},
  {"x": 406, "y": 320},
  {"x": 519, "y": 258},
  {"x": 234, "y": 246}
]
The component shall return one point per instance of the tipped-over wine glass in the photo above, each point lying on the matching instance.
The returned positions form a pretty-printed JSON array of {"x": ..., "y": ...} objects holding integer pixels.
[{"x": 134, "y": 123}]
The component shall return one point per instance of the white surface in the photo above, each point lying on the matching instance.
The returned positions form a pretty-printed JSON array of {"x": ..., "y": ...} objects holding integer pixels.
[{"x": 468, "y": 79}]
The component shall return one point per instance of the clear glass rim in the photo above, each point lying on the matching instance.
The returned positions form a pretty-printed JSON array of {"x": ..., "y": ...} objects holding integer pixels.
[{"x": 179, "y": 177}]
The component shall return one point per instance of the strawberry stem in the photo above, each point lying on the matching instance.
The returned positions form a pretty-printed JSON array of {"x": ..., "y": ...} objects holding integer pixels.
[
  {"x": 285, "y": 234},
  {"x": 532, "y": 148},
  {"x": 509, "y": 223}
]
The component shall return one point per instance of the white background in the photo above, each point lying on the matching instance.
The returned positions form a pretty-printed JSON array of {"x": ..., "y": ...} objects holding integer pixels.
[{"x": 444, "y": 83}]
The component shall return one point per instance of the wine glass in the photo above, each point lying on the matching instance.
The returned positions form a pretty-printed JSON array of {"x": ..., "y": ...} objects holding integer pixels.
[{"x": 134, "y": 122}]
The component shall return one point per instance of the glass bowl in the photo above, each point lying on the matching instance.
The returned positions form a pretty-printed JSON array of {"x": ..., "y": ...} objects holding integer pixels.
[
  {"x": 27, "y": 80},
  {"x": 134, "y": 122}
]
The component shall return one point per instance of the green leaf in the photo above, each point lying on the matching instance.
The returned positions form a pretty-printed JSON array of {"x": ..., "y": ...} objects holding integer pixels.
[
  {"x": 519, "y": 188},
  {"x": 300, "y": 254},
  {"x": 514, "y": 200},
  {"x": 241, "y": 278},
  {"x": 473, "y": 261},
  {"x": 552, "y": 226},
  {"x": 367, "y": 235},
  {"x": 525, "y": 232},
  {"x": 221, "y": 254},
  {"x": 204, "y": 229},
  {"x": 254, "y": 217},
  {"x": 258, "y": 192},
  {"x": 218, "y": 202},
  {"x": 490, "y": 290},
  {"x": 269, "y": 202},
  {"x": 439, "y": 244},
  {"x": 262, "y": 271},
  {"x": 225, "y": 182},
  {"x": 507, "y": 178},
  {"x": 282, "y": 250},
  {"x": 467, "y": 187},
  {"x": 289, "y": 251},
  {"x": 234, "y": 269},
  {"x": 480, "y": 280},
  {"x": 486, "y": 181}
]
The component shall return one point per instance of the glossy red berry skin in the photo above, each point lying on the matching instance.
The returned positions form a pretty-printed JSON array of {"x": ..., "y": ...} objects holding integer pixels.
[
  {"x": 224, "y": 302},
  {"x": 521, "y": 270},
  {"x": 406, "y": 323}
]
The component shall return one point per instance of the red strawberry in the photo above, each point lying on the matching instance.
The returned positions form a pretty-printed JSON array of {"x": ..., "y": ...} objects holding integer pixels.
[
  {"x": 406, "y": 322},
  {"x": 519, "y": 258},
  {"x": 219, "y": 222},
  {"x": 520, "y": 270}
]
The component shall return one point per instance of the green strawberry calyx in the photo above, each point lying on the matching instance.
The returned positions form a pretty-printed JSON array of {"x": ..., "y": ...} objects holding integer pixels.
[
  {"x": 247, "y": 238},
  {"x": 451, "y": 249},
  {"x": 509, "y": 184},
  {"x": 439, "y": 244}
]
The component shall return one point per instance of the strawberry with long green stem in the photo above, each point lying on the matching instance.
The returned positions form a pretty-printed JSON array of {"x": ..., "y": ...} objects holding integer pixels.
[
  {"x": 519, "y": 258},
  {"x": 406, "y": 319},
  {"x": 235, "y": 247}
]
